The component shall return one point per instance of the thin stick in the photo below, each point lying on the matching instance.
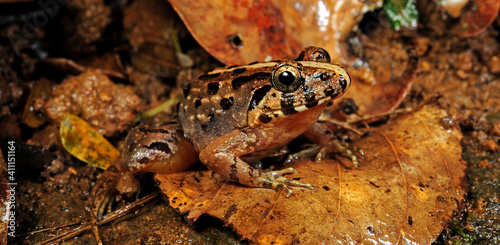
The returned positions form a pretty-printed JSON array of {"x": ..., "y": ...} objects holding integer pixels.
[{"x": 86, "y": 226}]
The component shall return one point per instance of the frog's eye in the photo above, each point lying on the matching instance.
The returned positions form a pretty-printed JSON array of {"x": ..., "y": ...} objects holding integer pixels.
[
  {"x": 286, "y": 78},
  {"x": 314, "y": 54},
  {"x": 320, "y": 55}
]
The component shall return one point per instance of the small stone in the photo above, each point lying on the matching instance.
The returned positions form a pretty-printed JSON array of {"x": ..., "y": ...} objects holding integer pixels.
[
  {"x": 484, "y": 163},
  {"x": 489, "y": 145},
  {"x": 463, "y": 61},
  {"x": 425, "y": 66},
  {"x": 496, "y": 128},
  {"x": 422, "y": 45},
  {"x": 461, "y": 74},
  {"x": 494, "y": 65}
]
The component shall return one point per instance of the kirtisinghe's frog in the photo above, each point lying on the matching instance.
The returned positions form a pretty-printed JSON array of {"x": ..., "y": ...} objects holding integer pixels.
[{"x": 236, "y": 115}]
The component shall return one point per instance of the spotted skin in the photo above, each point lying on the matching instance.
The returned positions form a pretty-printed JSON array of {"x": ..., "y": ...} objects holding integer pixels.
[
  {"x": 253, "y": 94},
  {"x": 240, "y": 114}
]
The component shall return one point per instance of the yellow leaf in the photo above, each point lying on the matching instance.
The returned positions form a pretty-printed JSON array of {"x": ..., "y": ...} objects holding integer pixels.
[{"x": 85, "y": 143}]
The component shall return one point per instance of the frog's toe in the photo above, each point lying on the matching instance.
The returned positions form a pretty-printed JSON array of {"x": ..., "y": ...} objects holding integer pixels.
[
  {"x": 275, "y": 180},
  {"x": 306, "y": 153},
  {"x": 343, "y": 149}
]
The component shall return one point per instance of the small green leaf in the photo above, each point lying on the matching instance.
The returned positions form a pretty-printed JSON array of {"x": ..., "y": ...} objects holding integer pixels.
[
  {"x": 169, "y": 103},
  {"x": 401, "y": 13}
]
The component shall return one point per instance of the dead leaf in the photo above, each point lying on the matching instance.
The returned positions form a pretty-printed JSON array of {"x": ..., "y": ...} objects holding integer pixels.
[
  {"x": 388, "y": 96},
  {"x": 107, "y": 64},
  {"x": 404, "y": 192},
  {"x": 157, "y": 58},
  {"x": 32, "y": 114},
  {"x": 239, "y": 32},
  {"x": 477, "y": 20},
  {"x": 85, "y": 143}
]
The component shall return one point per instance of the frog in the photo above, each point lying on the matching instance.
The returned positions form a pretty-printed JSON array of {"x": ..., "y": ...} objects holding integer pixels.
[{"x": 234, "y": 116}]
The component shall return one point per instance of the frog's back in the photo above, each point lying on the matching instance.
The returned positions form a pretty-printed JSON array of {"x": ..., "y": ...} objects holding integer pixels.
[{"x": 217, "y": 103}]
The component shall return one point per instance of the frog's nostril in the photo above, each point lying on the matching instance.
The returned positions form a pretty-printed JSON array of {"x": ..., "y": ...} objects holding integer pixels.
[{"x": 342, "y": 82}]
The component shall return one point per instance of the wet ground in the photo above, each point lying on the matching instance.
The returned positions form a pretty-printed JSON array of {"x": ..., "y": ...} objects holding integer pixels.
[{"x": 53, "y": 187}]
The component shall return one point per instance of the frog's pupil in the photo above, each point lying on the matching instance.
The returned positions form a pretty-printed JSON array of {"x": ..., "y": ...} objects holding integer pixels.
[{"x": 286, "y": 78}]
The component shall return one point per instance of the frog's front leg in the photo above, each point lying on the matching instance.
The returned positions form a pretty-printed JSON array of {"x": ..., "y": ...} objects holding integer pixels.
[
  {"x": 326, "y": 143},
  {"x": 224, "y": 156}
]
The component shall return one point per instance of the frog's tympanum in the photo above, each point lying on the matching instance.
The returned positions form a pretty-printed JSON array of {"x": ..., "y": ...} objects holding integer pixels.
[{"x": 237, "y": 115}]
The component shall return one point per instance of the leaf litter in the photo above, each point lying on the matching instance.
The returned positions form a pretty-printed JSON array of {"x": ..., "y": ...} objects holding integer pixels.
[{"x": 407, "y": 189}]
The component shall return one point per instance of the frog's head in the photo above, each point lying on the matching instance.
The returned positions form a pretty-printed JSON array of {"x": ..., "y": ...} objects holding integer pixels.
[{"x": 305, "y": 84}]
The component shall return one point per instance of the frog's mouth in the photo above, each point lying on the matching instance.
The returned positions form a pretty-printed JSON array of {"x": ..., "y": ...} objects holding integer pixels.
[
  {"x": 312, "y": 104},
  {"x": 290, "y": 110}
]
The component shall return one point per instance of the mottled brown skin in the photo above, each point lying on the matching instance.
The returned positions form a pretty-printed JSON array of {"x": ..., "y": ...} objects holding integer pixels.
[
  {"x": 155, "y": 149},
  {"x": 237, "y": 115}
]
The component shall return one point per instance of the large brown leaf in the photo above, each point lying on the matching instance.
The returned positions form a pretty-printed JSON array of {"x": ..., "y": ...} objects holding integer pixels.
[
  {"x": 242, "y": 31},
  {"x": 404, "y": 192},
  {"x": 382, "y": 98}
]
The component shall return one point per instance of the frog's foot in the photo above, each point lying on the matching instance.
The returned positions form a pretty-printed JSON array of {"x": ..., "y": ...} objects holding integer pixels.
[
  {"x": 343, "y": 149},
  {"x": 101, "y": 196},
  {"x": 309, "y": 152},
  {"x": 103, "y": 193},
  {"x": 275, "y": 180},
  {"x": 335, "y": 146}
]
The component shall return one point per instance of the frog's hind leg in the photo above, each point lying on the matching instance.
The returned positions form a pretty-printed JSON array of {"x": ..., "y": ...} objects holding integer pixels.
[{"x": 327, "y": 143}]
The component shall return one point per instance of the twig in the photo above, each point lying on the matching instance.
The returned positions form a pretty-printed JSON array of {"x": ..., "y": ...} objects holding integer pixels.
[{"x": 86, "y": 226}]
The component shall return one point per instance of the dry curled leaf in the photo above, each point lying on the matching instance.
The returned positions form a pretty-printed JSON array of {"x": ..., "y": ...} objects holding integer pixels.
[
  {"x": 478, "y": 19},
  {"x": 238, "y": 32},
  {"x": 404, "y": 192},
  {"x": 32, "y": 114},
  {"x": 388, "y": 95},
  {"x": 85, "y": 143}
]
